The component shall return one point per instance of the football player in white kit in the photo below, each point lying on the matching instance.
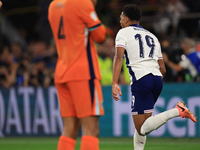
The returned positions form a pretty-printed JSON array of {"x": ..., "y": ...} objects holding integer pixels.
[{"x": 146, "y": 69}]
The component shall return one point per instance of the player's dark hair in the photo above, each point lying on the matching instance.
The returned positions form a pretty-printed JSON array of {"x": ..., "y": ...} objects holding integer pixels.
[{"x": 133, "y": 12}]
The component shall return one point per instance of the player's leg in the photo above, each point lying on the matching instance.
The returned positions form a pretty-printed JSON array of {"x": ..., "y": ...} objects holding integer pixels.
[
  {"x": 139, "y": 120},
  {"x": 154, "y": 122},
  {"x": 138, "y": 141},
  {"x": 71, "y": 127},
  {"x": 71, "y": 123},
  {"x": 88, "y": 102},
  {"x": 142, "y": 100},
  {"x": 142, "y": 107},
  {"x": 90, "y": 126}
]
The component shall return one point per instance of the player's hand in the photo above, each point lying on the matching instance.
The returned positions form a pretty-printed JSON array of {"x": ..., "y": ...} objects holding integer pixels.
[
  {"x": 1, "y": 4},
  {"x": 115, "y": 90}
]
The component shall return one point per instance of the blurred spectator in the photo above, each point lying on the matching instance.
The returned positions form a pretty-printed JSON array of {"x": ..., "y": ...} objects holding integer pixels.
[
  {"x": 16, "y": 50},
  {"x": 167, "y": 48},
  {"x": 6, "y": 58},
  {"x": 42, "y": 64},
  {"x": 39, "y": 51},
  {"x": 42, "y": 27},
  {"x": 190, "y": 61},
  {"x": 50, "y": 59},
  {"x": 169, "y": 16},
  {"x": 8, "y": 68},
  {"x": 105, "y": 59},
  {"x": 32, "y": 67},
  {"x": 198, "y": 47},
  {"x": 190, "y": 25},
  {"x": 174, "y": 10}
]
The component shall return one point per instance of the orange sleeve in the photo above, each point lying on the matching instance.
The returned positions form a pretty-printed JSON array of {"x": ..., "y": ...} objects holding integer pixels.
[
  {"x": 88, "y": 14},
  {"x": 98, "y": 34}
]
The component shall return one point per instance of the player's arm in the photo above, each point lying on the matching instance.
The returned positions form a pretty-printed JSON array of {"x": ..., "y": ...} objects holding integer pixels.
[
  {"x": 88, "y": 14},
  {"x": 162, "y": 67},
  {"x": 160, "y": 60},
  {"x": 98, "y": 33},
  {"x": 117, "y": 65}
]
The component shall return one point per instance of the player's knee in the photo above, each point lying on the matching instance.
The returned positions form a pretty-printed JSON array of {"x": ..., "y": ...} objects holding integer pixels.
[
  {"x": 70, "y": 131},
  {"x": 91, "y": 131},
  {"x": 142, "y": 134},
  {"x": 95, "y": 132},
  {"x": 139, "y": 132}
]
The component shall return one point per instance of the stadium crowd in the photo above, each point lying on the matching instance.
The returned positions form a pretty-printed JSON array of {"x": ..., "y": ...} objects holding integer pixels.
[
  {"x": 31, "y": 67},
  {"x": 29, "y": 59}
]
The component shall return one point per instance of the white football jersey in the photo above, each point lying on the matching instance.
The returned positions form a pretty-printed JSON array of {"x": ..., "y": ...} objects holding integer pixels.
[{"x": 142, "y": 51}]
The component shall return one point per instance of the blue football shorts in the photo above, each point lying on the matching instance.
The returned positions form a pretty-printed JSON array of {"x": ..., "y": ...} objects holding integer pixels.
[{"x": 145, "y": 92}]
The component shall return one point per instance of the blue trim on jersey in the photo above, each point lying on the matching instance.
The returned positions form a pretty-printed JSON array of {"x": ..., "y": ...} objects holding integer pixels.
[
  {"x": 129, "y": 68},
  {"x": 94, "y": 27},
  {"x": 126, "y": 56},
  {"x": 194, "y": 58},
  {"x": 136, "y": 25},
  {"x": 92, "y": 75},
  {"x": 91, "y": 83}
]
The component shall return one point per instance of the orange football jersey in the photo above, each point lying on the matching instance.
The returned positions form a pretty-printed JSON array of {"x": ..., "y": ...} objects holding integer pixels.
[{"x": 75, "y": 27}]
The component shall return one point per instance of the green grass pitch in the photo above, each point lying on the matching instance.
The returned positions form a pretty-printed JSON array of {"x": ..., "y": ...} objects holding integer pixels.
[{"x": 49, "y": 143}]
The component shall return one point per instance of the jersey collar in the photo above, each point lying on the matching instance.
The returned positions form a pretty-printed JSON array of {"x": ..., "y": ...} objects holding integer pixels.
[{"x": 136, "y": 25}]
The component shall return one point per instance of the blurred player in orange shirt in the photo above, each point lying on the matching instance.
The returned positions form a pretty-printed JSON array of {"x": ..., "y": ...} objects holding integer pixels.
[{"x": 75, "y": 27}]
